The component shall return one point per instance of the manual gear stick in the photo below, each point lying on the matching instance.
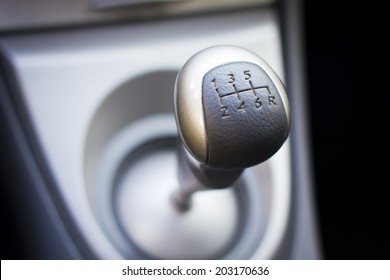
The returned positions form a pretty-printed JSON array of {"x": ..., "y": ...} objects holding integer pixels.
[{"x": 232, "y": 112}]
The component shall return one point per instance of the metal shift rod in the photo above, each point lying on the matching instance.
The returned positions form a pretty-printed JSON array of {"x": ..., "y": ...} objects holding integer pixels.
[{"x": 232, "y": 112}]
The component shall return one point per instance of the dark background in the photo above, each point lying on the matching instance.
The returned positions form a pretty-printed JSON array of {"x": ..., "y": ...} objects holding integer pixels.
[{"x": 348, "y": 61}]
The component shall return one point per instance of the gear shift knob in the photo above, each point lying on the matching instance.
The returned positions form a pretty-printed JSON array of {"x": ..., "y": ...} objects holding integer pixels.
[{"x": 232, "y": 112}]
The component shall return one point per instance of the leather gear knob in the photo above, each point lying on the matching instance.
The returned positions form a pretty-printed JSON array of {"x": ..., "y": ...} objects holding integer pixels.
[{"x": 231, "y": 108}]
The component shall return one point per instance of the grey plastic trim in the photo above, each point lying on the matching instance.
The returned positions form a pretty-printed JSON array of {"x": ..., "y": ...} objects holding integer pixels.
[
  {"x": 65, "y": 76},
  {"x": 40, "y": 196},
  {"x": 305, "y": 234},
  {"x": 22, "y": 15}
]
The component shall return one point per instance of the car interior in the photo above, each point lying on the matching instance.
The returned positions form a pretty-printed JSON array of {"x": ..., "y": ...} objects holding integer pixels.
[{"x": 190, "y": 129}]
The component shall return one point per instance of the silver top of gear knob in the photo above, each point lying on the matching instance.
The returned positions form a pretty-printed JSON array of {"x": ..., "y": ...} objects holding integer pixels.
[{"x": 225, "y": 94}]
